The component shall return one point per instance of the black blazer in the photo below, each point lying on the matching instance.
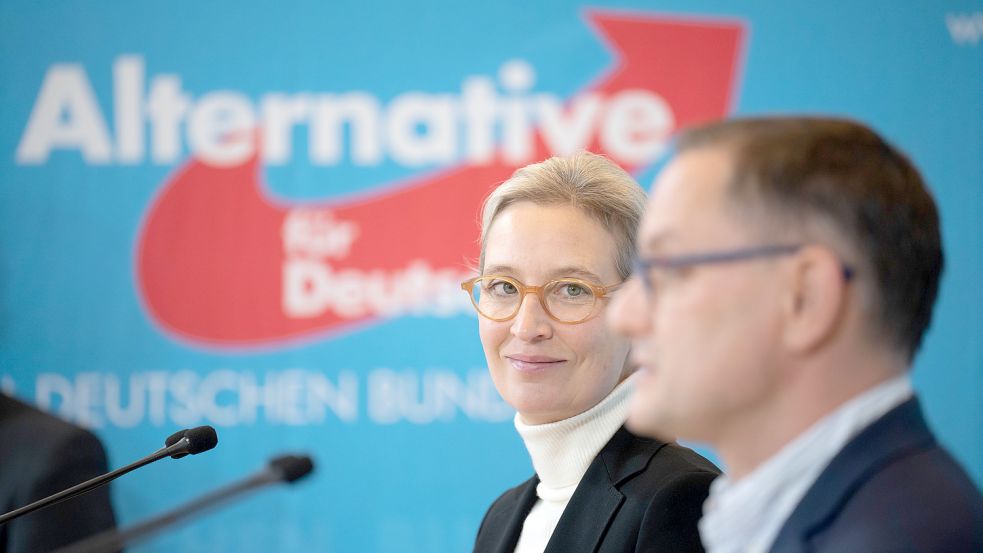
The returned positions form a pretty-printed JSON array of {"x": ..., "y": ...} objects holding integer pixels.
[
  {"x": 637, "y": 495},
  {"x": 41, "y": 455},
  {"x": 891, "y": 489}
]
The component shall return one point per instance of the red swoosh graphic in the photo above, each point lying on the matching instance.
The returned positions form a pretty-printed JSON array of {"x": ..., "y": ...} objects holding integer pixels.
[{"x": 210, "y": 254}]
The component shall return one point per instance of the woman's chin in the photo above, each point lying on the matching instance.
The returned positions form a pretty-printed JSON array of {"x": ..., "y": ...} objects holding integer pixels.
[
  {"x": 535, "y": 408},
  {"x": 533, "y": 418}
]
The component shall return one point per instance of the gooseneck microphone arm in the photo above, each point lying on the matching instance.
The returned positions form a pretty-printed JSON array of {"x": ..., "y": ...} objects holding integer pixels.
[
  {"x": 287, "y": 468},
  {"x": 179, "y": 444}
]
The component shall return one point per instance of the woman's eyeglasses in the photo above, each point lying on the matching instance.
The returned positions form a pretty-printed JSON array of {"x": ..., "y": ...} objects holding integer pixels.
[{"x": 565, "y": 300}]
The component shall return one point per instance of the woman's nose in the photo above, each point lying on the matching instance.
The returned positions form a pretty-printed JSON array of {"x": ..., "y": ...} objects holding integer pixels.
[{"x": 531, "y": 322}]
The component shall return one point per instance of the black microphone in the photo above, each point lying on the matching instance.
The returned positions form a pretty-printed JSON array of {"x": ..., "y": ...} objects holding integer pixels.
[
  {"x": 191, "y": 442},
  {"x": 286, "y": 468},
  {"x": 177, "y": 445}
]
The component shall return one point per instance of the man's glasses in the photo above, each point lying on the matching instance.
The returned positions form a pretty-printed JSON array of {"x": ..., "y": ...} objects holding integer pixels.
[
  {"x": 565, "y": 300},
  {"x": 643, "y": 267}
]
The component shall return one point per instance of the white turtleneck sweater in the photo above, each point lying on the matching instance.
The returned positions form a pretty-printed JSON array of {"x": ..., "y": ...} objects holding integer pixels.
[{"x": 561, "y": 452}]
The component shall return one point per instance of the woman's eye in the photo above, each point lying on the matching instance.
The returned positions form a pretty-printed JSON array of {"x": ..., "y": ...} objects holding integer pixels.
[
  {"x": 571, "y": 290},
  {"x": 502, "y": 288}
]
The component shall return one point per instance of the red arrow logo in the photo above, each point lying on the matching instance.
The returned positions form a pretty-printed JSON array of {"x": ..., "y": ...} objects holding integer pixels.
[{"x": 220, "y": 264}]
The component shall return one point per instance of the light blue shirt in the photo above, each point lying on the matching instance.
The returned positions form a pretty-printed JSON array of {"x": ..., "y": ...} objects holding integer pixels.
[{"x": 745, "y": 516}]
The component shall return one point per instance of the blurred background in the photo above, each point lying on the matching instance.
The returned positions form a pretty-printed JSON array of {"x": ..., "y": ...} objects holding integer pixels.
[{"x": 256, "y": 216}]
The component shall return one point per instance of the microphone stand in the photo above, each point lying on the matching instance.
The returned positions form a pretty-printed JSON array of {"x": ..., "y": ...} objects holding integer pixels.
[
  {"x": 178, "y": 445},
  {"x": 283, "y": 469}
]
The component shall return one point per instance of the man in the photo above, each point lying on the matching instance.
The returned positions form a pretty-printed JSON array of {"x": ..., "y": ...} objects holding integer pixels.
[
  {"x": 787, "y": 273},
  {"x": 41, "y": 455}
]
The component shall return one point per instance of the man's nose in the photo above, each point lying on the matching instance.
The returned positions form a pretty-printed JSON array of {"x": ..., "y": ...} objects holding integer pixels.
[{"x": 630, "y": 312}]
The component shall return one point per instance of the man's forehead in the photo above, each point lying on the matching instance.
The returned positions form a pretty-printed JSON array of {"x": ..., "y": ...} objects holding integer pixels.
[
  {"x": 694, "y": 174},
  {"x": 691, "y": 188}
]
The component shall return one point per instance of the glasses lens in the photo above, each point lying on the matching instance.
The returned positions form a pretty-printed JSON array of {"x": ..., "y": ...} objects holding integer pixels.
[
  {"x": 496, "y": 297},
  {"x": 569, "y": 300}
]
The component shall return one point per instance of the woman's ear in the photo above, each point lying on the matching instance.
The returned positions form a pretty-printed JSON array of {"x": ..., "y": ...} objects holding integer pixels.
[{"x": 815, "y": 300}]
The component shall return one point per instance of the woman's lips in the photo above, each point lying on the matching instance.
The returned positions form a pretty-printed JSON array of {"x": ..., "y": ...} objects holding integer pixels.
[{"x": 533, "y": 363}]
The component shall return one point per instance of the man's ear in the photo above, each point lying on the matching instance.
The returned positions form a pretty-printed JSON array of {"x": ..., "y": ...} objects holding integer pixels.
[{"x": 815, "y": 299}]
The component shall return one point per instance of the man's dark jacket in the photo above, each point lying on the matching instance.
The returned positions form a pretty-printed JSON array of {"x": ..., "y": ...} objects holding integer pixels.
[
  {"x": 41, "y": 455},
  {"x": 891, "y": 489}
]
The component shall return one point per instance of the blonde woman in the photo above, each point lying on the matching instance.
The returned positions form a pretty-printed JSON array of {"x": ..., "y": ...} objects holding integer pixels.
[{"x": 557, "y": 241}]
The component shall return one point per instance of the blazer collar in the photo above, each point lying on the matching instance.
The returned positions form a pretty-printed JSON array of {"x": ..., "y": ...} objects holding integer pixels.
[
  {"x": 597, "y": 497},
  {"x": 898, "y": 432},
  {"x": 510, "y": 519}
]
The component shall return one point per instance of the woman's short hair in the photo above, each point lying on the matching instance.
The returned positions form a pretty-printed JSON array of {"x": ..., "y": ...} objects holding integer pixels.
[{"x": 589, "y": 182}]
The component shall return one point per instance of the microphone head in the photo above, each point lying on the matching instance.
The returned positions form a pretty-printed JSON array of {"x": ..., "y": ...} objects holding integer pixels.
[
  {"x": 173, "y": 438},
  {"x": 290, "y": 468},
  {"x": 201, "y": 438}
]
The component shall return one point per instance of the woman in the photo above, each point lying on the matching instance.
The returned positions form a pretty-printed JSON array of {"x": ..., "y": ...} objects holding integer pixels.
[{"x": 557, "y": 241}]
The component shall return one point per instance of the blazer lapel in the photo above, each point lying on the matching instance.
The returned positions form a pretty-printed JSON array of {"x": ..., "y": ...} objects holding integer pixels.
[
  {"x": 597, "y": 498},
  {"x": 507, "y": 524},
  {"x": 897, "y": 433}
]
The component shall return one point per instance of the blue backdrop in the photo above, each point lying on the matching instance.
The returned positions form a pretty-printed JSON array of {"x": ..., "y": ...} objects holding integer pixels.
[{"x": 255, "y": 217}]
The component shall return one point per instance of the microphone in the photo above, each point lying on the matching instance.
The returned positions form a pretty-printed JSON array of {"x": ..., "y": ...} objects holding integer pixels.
[
  {"x": 177, "y": 445},
  {"x": 285, "y": 468},
  {"x": 191, "y": 442}
]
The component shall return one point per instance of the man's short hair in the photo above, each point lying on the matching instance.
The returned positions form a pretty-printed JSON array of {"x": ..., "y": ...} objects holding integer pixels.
[{"x": 842, "y": 173}]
